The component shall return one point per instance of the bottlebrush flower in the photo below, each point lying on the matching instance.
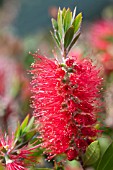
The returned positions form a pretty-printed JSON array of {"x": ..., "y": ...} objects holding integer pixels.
[
  {"x": 12, "y": 156},
  {"x": 65, "y": 100},
  {"x": 101, "y": 35},
  {"x": 13, "y": 165}
]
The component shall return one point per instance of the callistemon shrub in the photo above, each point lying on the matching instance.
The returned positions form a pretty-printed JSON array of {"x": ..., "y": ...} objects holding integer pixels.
[{"x": 65, "y": 94}]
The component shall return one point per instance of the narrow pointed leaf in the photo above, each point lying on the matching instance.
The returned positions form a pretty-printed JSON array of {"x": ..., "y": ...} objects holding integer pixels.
[
  {"x": 67, "y": 20},
  {"x": 74, "y": 13},
  {"x": 54, "y": 24},
  {"x": 30, "y": 125},
  {"x": 106, "y": 162},
  {"x": 63, "y": 14},
  {"x": 55, "y": 39},
  {"x": 66, "y": 29},
  {"x": 92, "y": 154},
  {"x": 60, "y": 24},
  {"x": 17, "y": 133},
  {"x": 56, "y": 33},
  {"x": 68, "y": 37},
  {"x": 73, "y": 42},
  {"x": 77, "y": 22},
  {"x": 24, "y": 123}
]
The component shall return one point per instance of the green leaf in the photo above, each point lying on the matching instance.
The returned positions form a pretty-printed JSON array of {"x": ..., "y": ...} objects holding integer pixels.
[
  {"x": 92, "y": 154},
  {"x": 68, "y": 37},
  {"x": 56, "y": 39},
  {"x": 63, "y": 14},
  {"x": 30, "y": 125},
  {"x": 54, "y": 24},
  {"x": 60, "y": 24},
  {"x": 29, "y": 135},
  {"x": 24, "y": 123},
  {"x": 106, "y": 162},
  {"x": 77, "y": 22},
  {"x": 66, "y": 29},
  {"x": 67, "y": 20},
  {"x": 17, "y": 133},
  {"x": 74, "y": 13},
  {"x": 73, "y": 42},
  {"x": 56, "y": 33},
  {"x": 72, "y": 164}
]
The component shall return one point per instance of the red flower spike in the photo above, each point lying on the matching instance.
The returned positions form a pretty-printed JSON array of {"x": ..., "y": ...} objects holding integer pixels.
[
  {"x": 15, "y": 166},
  {"x": 101, "y": 39},
  {"x": 13, "y": 158},
  {"x": 63, "y": 102},
  {"x": 101, "y": 34}
]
